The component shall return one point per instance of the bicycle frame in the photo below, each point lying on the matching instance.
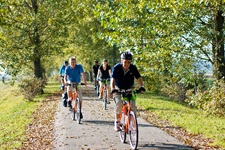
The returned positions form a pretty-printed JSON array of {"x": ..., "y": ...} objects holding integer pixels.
[
  {"x": 76, "y": 110},
  {"x": 126, "y": 109},
  {"x": 129, "y": 123},
  {"x": 74, "y": 95}
]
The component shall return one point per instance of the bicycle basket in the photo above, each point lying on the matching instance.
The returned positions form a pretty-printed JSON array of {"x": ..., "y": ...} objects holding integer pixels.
[{"x": 129, "y": 96}]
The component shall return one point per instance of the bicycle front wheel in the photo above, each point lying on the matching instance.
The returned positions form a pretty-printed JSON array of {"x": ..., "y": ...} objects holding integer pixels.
[
  {"x": 78, "y": 112},
  {"x": 133, "y": 130},
  {"x": 122, "y": 132},
  {"x": 105, "y": 100},
  {"x": 97, "y": 90}
]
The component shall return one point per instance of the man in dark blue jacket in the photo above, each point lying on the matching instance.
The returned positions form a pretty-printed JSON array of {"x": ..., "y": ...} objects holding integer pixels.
[{"x": 123, "y": 75}]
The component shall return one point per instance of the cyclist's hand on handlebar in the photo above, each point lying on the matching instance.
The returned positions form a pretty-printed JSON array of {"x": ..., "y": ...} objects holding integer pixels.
[
  {"x": 114, "y": 91},
  {"x": 141, "y": 89}
]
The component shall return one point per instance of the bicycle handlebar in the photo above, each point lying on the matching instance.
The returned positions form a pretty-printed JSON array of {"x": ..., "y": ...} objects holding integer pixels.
[
  {"x": 103, "y": 80},
  {"x": 121, "y": 91}
]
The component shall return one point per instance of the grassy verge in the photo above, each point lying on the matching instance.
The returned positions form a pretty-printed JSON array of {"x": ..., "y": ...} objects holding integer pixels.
[
  {"x": 16, "y": 114},
  {"x": 192, "y": 120}
]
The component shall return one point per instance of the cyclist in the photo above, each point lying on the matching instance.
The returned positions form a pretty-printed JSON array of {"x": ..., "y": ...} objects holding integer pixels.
[
  {"x": 73, "y": 73},
  {"x": 123, "y": 74},
  {"x": 104, "y": 72},
  {"x": 62, "y": 74},
  {"x": 95, "y": 72}
]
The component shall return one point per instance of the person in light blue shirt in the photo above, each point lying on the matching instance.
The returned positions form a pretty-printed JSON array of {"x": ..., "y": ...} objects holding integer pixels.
[
  {"x": 62, "y": 73},
  {"x": 73, "y": 74}
]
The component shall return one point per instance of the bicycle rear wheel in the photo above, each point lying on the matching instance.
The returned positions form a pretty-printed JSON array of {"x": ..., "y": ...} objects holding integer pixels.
[
  {"x": 78, "y": 112},
  {"x": 133, "y": 130},
  {"x": 122, "y": 132},
  {"x": 105, "y": 100}
]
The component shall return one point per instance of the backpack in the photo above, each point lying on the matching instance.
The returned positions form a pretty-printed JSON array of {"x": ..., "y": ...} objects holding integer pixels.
[{"x": 64, "y": 99}]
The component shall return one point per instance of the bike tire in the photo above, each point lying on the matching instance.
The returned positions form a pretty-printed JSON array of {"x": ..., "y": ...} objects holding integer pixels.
[
  {"x": 97, "y": 90},
  {"x": 133, "y": 130},
  {"x": 78, "y": 112},
  {"x": 105, "y": 100},
  {"x": 122, "y": 132}
]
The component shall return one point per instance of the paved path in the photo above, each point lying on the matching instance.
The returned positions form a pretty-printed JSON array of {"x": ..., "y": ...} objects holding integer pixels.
[{"x": 96, "y": 131}]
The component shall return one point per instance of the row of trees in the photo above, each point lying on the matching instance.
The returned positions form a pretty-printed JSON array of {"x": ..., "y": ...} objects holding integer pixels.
[{"x": 170, "y": 40}]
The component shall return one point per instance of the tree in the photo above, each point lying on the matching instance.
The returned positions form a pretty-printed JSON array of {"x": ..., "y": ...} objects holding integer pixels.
[
  {"x": 167, "y": 34},
  {"x": 30, "y": 31},
  {"x": 85, "y": 40}
]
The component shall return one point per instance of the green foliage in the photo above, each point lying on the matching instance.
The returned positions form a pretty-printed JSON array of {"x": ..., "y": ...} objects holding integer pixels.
[
  {"x": 31, "y": 30},
  {"x": 165, "y": 36},
  {"x": 168, "y": 38},
  {"x": 30, "y": 86},
  {"x": 172, "y": 88},
  {"x": 211, "y": 100}
]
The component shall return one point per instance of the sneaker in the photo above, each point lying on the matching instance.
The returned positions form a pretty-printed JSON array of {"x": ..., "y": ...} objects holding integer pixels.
[
  {"x": 70, "y": 106},
  {"x": 62, "y": 87},
  {"x": 117, "y": 126},
  {"x": 81, "y": 115}
]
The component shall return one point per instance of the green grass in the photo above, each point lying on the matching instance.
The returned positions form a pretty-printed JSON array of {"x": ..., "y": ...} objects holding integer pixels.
[
  {"x": 16, "y": 114},
  {"x": 192, "y": 120}
]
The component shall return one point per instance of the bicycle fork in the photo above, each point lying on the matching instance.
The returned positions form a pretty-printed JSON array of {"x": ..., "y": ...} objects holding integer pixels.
[
  {"x": 126, "y": 110},
  {"x": 74, "y": 96}
]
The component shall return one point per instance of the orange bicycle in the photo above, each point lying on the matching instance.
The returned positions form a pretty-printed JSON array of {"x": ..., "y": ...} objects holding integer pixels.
[
  {"x": 76, "y": 103},
  {"x": 128, "y": 123}
]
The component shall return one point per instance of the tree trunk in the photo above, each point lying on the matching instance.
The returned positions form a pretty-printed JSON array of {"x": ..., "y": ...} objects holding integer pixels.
[
  {"x": 36, "y": 38},
  {"x": 114, "y": 56},
  {"x": 218, "y": 47},
  {"x": 37, "y": 68}
]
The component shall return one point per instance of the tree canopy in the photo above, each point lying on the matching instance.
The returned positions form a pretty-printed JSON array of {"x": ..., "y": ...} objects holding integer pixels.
[{"x": 171, "y": 37}]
